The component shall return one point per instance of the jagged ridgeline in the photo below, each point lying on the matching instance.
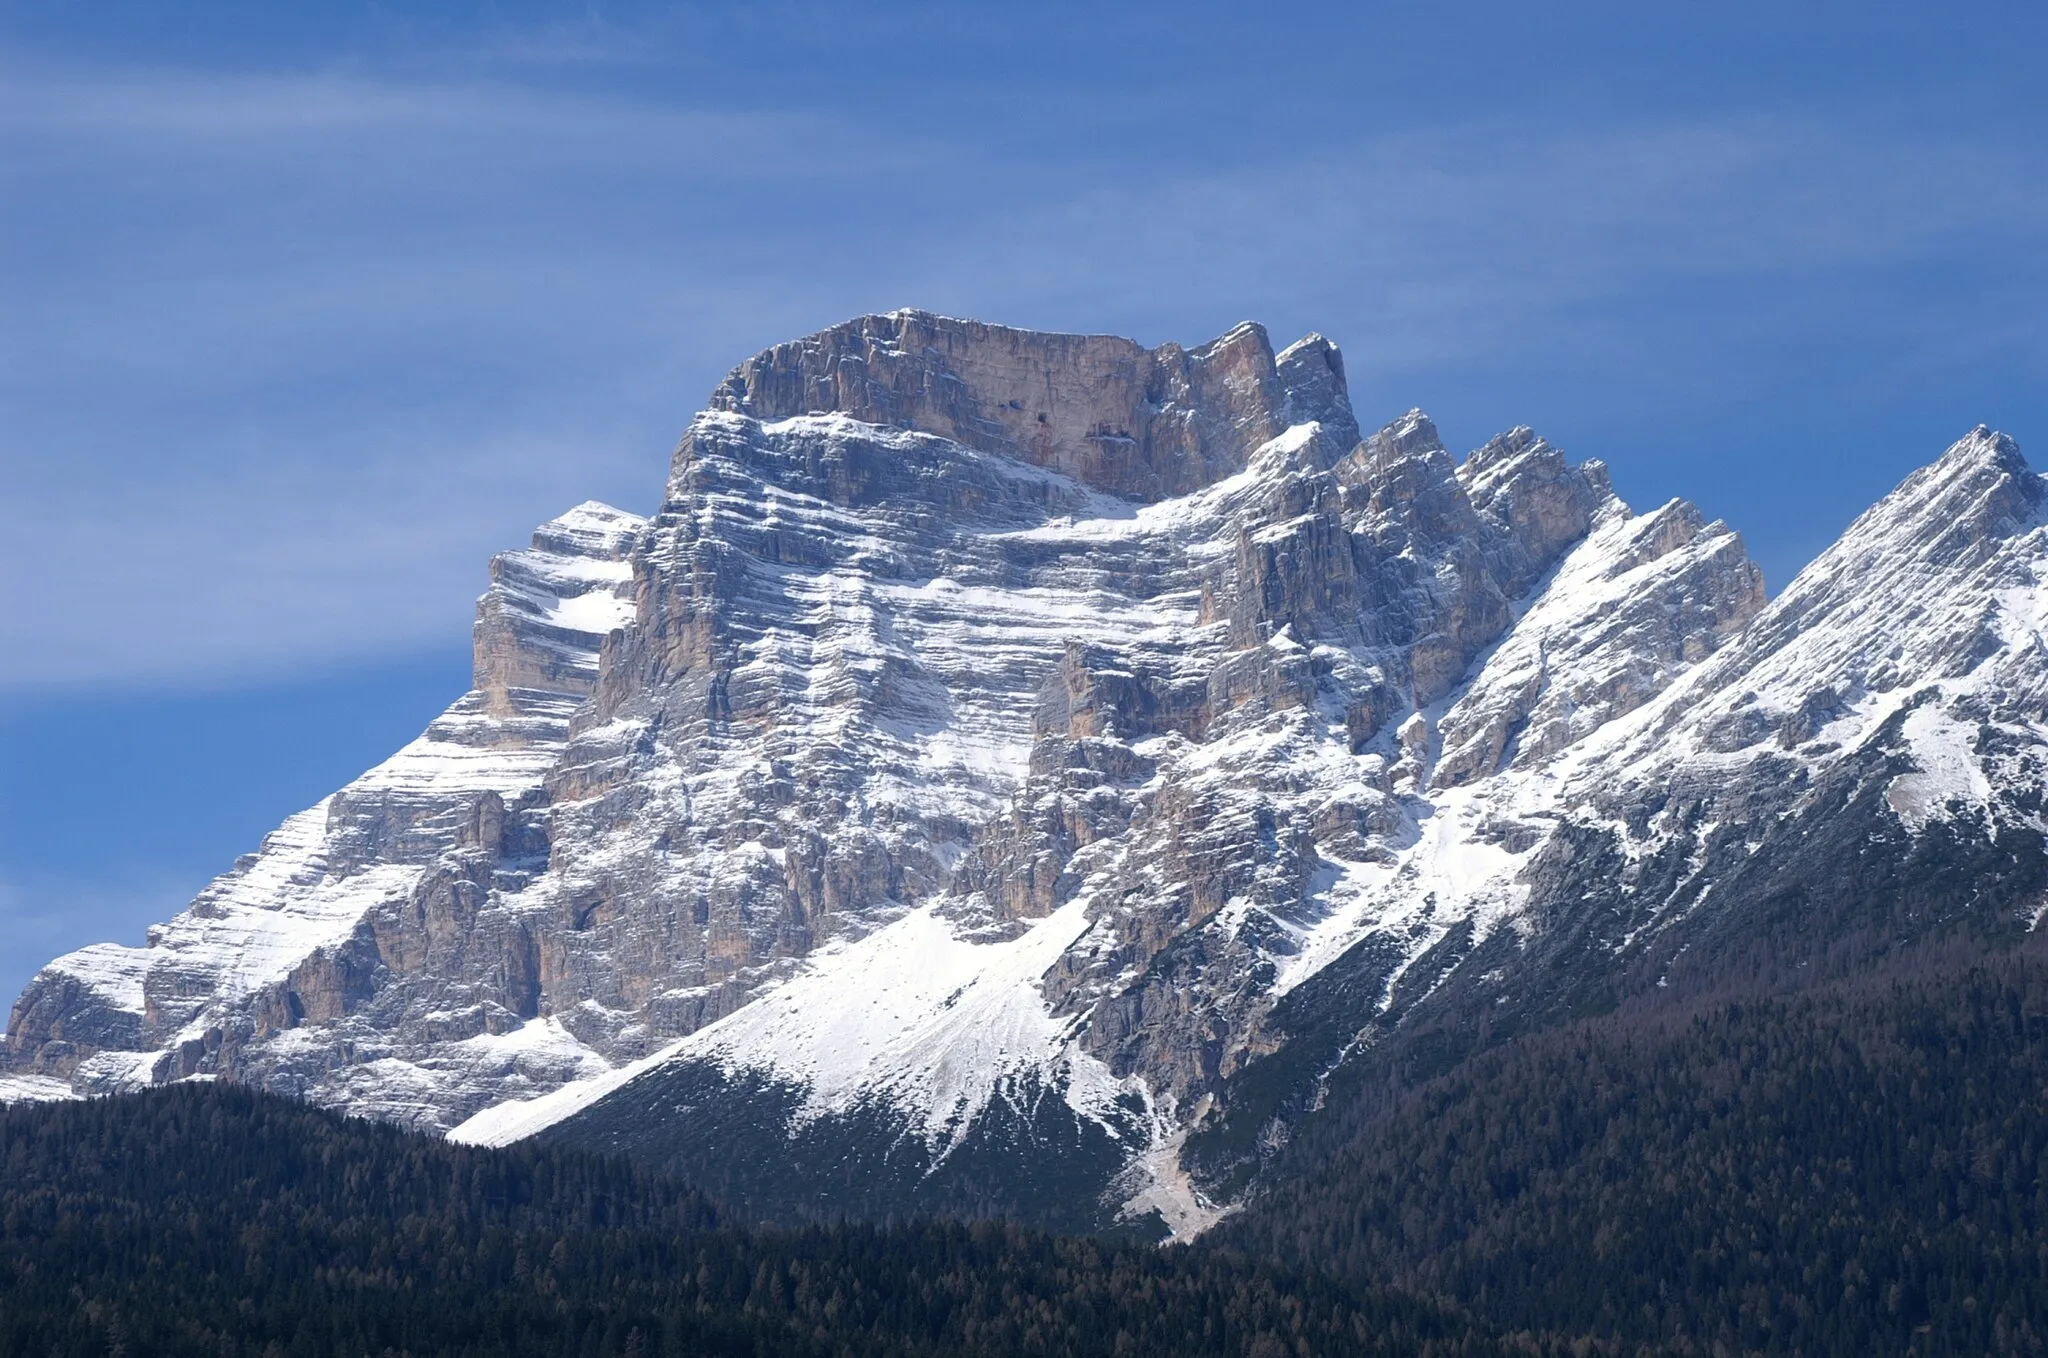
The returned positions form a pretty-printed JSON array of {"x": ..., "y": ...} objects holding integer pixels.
[{"x": 1029, "y": 774}]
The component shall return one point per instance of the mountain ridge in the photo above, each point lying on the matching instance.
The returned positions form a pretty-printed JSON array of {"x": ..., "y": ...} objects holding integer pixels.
[{"x": 1006, "y": 752}]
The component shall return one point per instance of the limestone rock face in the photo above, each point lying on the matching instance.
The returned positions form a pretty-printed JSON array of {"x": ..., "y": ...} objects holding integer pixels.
[
  {"x": 1003, "y": 745},
  {"x": 1671, "y": 588},
  {"x": 1144, "y": 423}
]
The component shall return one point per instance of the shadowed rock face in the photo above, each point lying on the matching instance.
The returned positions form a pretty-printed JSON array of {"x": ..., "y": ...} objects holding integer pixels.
[{"x": 1002, "y": 741}]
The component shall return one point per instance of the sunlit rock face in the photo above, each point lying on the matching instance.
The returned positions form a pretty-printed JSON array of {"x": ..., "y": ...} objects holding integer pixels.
[{"x": 1011, "y": 770}]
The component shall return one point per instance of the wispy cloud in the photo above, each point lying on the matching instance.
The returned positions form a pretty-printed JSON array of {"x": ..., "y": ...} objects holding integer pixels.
[
  {"x": 289, "y": 355},
  {"x": 1459, "y": 239},
  {"x": 272, "y": 399}
]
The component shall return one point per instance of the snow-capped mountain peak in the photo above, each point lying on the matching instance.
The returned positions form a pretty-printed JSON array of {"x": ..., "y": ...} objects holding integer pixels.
[{"x": 1012, "y": 771}]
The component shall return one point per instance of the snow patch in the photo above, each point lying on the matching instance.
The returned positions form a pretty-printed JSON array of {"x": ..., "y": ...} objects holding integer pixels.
[
  {"x": 34, "y": 1089},
  {"x": 932, "y": 1022},
  {"x": 1947, "y": 772}
]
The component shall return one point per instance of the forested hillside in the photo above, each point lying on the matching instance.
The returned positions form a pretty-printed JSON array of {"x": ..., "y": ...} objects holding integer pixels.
[
  {"x": 1858, "y": 1168},
  {"x": 215, "y": 1220}
]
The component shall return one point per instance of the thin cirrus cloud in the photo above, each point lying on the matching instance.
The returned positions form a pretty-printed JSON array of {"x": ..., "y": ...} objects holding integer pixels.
[
  {"x": 1437, "y": 231},
  {"x": 293, "y": 354}
]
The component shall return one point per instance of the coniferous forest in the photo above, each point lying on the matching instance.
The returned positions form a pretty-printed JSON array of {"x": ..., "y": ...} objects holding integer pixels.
[
  {"x": 214, "y": 1220},
  {"x": 1852, "y": 1168},
  {"x": 1858, "y": 1167}
]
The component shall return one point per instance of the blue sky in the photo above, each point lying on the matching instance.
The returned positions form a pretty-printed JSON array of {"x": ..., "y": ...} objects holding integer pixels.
[{"x": 309, "y": 309}]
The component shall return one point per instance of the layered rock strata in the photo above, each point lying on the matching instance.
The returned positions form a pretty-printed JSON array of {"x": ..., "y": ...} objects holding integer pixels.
[{"x": 1009, "y": 758}]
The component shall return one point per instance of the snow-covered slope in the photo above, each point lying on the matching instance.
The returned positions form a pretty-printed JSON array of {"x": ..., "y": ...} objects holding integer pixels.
[
  {"x": 912, "y": 1013},
  {"x": 1012, "y": 771}
]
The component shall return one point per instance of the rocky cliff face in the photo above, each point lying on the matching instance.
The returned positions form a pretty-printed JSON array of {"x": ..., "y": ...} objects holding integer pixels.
[
  {"x": 1146, "y": 424},
  {"x": 1011, "y": 771},
  {"x": 371, "y": 923}
]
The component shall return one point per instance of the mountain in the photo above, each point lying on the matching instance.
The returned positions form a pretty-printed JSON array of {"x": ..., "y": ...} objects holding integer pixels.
[{"x": 1036, "y": 775}]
